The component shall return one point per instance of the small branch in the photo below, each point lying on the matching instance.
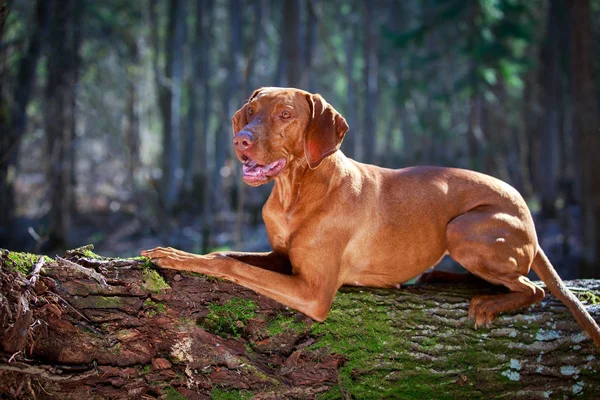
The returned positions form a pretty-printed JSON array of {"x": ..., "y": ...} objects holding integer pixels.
[
  {"x": 13, "y": 356},
  {"x": 86, "y": 271},
  {"x": 36, "y": 271},
  {"x": 112, "y": 263},
  {"x": 70, "y": 306},
  {"x": 45, "y": 373}
]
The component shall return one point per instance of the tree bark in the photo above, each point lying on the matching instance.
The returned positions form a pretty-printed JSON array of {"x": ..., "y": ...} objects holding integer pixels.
[
  {"x": 586, "y": 121},
  {"x": 551, "y": 83},
  {"x": 195, "y": 95},
  {"x": 352, "y": 136},
  {"x": 108, "y": 328},
  {"x": 231, "y": 87},
  {"x": 292, "y": 42},
  {"x": 204, "y": 12},
  {"x": 312, "y": 24},
  {"x": 4, "y": 10},
  {"x": 254, "y": 47},
  {"x": 171, "y": 105},
  {"x": 59, "y": 120},
  {"x": 13, "y": 113},
  {"x": 371, "y": 73},
  {"x": 132, "y": 130}
]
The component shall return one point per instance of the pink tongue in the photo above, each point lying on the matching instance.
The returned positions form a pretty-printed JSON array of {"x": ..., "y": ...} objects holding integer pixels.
[{"x": 253, "y": 169}]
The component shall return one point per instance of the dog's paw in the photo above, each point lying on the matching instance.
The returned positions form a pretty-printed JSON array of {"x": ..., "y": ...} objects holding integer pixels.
[
  {"x": 168, "y": 257},
  {"x": 483, "y": 310}
]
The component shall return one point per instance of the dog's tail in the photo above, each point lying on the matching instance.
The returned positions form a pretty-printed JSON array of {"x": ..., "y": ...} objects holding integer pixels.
[{"x": 541, "y": 265}]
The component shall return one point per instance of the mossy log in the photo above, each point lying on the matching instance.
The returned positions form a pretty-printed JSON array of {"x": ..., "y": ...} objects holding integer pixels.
[{"x": 88, "y": 326}]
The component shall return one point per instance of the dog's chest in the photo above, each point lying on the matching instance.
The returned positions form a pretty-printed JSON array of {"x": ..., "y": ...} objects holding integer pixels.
[{"x": 277, "y": 225}]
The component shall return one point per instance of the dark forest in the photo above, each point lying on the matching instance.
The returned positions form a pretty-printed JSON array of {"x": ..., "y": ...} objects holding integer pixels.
[{"x": 115, "y": 116}]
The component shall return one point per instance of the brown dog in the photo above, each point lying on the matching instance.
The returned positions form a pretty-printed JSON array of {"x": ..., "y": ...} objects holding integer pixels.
[{"x": 333, "y": 221}]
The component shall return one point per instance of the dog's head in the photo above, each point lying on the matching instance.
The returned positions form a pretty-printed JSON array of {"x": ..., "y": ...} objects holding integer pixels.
[{"x": 277, "y": 126}]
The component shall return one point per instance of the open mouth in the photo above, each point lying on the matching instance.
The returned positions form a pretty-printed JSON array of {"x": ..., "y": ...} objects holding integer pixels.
[{"x": 253, "y": 172}]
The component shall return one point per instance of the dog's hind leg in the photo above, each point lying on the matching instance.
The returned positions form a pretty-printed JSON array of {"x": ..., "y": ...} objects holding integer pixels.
[{"x": 499, "y": 248}]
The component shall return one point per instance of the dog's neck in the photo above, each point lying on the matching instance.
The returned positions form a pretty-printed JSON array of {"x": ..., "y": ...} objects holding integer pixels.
[{"x": 289, "y": 185}]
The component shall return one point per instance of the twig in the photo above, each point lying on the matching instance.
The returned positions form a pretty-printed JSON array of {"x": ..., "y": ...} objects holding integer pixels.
[
  {"x": 72, "y": 308},
  {"x": 13, "y": 356},
  {"x": 36, "y": 271},
  {"x": 44, "y": 373},
  {"x": 112, "y": 263},
  {"x": 86, "y": 271}
]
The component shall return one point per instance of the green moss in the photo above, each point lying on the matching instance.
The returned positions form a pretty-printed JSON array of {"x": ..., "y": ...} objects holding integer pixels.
[
  {"x": 153, "y": 282},
  {"x": 429, "y": 342},
  {"x": 107, "y": 302},
  {"x": 24, "y": 262},
  {"x": 590, "y": 297},
  {"x": 213, "y": 279},
  {"x": 116, "y": 349},
  {"x": 218, "y": 394},
  {"x": 334, "y": 393},
  {"x": 147, "y": 263},
  {"x": 173, "y": 394},
  {"x": 142, "y": 259},
  {"x": 186, "y": 324},
  {"x": 382, "y": 358},
  {"x": 154, "y": 308},
  {"x": 283, "y": 324},
  {"x": 87, "y": 252},
  {"x": 146, "y": 369},
  {"x": 229, "y": 317}
]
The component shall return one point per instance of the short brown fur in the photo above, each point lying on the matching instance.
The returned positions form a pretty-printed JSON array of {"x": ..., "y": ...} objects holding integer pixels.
[{"x": 332, "y": 221}]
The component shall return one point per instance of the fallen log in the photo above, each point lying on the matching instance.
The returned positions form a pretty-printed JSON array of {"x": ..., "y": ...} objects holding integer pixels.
[{"x": 83, "y": 325}]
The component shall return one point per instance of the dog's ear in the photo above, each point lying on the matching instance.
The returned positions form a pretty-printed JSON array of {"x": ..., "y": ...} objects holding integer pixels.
[
  {"x": 325, "y": 130},
  {"x": 239, "y": 119},
  {"x": 256, "y": 92}
]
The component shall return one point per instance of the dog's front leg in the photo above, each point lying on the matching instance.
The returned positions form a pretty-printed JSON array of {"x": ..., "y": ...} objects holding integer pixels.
[{"x": 310, "y": 294}]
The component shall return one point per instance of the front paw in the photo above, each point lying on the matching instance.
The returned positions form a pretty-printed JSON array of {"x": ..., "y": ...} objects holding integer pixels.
[{"x": 170, "y": 258}]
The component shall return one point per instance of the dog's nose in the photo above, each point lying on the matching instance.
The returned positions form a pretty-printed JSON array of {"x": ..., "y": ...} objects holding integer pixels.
[{"x": 243, "y": 140}]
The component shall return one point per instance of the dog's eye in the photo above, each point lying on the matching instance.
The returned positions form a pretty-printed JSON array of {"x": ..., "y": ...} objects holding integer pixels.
[
  {"x": 286, "y": 114},
  {"x": 250, "y": 111}
]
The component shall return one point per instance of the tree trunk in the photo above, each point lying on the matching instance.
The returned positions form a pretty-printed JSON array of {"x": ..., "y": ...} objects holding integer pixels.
[
  {"x": 13, "y": 113},
  {"x": 76, "y": 34},
  {"x": 475, "y": 137},
  {"x": 4, "y": 10},
  {"x": 110, "y": 328},
  {"x": 585, "y": 124},
  {"x": 352, "y": 137},
  {"x": 371, "y": 73},
  {"x": 551, "y": 76},
  {"x": 195, "y": 94},
  {"x": 171, "y": 105},
  {"x": 255, "y": 46},
  {"x": 312, "y": 24},
  {"x": 292, "y": 42},
  {"x": 59, "y": 121},
  {"x": 231, "y": 87},
  {"x": 204, "y": 13},
  {"x": 132, "y": 127}
]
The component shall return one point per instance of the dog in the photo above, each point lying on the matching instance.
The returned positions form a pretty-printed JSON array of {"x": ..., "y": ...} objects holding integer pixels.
[{"x": 332, "y": 221}]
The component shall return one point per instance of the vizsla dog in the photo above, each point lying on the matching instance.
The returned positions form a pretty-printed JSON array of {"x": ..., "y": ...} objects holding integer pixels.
[{"x": 333, "y": 221}]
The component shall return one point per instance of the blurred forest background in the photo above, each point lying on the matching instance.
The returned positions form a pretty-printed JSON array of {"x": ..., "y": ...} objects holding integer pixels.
[{"x": 115, "y": 115}]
